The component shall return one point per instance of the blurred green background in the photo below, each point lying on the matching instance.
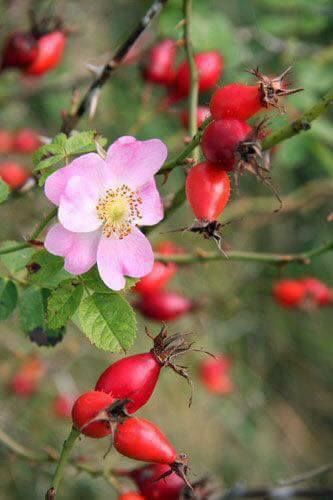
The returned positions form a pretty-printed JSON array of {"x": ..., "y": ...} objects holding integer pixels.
[{"x": 278, "y": 422}]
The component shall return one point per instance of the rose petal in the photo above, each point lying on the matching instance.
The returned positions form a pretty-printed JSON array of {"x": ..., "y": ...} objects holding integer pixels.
[
  {"x": 131, "y": 256},
  {"x": 90, "y": 166},
  {"x": 78, "y": 249},
  {"x": 134, "y": 162},
  {"x": 77, "y": 209},
  {"x": 152, "y": 206}
]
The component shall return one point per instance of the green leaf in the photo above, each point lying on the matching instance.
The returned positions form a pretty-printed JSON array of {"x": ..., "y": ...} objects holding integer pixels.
[
  {"x": 63, "y": 303},
  {"x": 108, "y": 321},
  {"x": 4, "y": 191},
  {"x": 50, "y": 161},
  {"x": 47, "y": 270},
  {"x": 83, "y": 142},
  {"x": 32, "y": 308},
  {"x": 8, "y": 298},
  {"x": 15, "y": 261}
]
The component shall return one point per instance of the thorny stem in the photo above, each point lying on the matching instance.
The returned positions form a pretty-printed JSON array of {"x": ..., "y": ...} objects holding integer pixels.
[
  {"x": 194, "y": 82},
  {"x": 272, "y": 258},
  {"x": 63, "y": 460},
  {"x": 70, "y": 120}
]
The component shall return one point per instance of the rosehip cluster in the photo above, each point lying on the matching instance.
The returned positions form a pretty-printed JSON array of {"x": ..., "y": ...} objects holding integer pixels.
[
  {"x": 122, "y": 389},
  {"x": 34, "y": 53},
  {"x": 24, "y": 141},
  {"x": 305, "y": 293},
  {"x": 230, "y": 144},
  {"x": 155, "y": 302},
  {"x": 160, "y": 68}
]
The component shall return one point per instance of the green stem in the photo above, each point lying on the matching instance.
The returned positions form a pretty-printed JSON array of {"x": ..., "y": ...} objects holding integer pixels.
[
  {"x": 63, "y": 460},
  {"x": 41, "y": 226},
  {"x": 301, "y": 124},
  {"x": 272, "y": 258},
  {"x": 194, "y": 81}
]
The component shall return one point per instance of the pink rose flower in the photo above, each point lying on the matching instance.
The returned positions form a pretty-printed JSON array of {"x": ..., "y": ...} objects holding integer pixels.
[{"x": 101, "y": 204}]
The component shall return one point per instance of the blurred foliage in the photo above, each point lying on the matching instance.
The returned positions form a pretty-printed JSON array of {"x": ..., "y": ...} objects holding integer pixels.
[{"x": 279, "y": 420}]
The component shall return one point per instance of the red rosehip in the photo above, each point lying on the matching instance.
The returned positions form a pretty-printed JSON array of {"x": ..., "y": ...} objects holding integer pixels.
[
  {"x": 242, "y": 101},
  {"x": 209, "y": 66},
  {"x": 220, "y": 141},
  {"x": 160, "y": 66},
  {"x": 146, "y": 479},
  {"x": 26, "y": 381},
  {"x": 161, "y": 274},
  {"x": 62, "y": 405},
  {"x": 140, "y": 439},
  {"x": 202, "y": 114},
  {"x": 131, "y": 495},
  {"x": 289, "y": 293},
  {"x": 26, "y": 141},
  {"x": 317, "y": 292},
  {"x": 6, "y": 141},
  {"x": 207, "y": 190},
  {"x": 164, "y": 306},
  {"x": 20, "y": 50},
  {"x": 135, "y": 377},
  {"x": 14, "y": 174},
  {"x": 237, "y": 101},
  {"x": 214, "y": 373},
  {"x": 87, "y": 407},
  {"x": 50, "y": 51}
]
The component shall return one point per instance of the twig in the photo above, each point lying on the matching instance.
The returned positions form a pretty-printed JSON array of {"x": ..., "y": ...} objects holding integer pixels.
[
  {"x": 63, "y": 460},
  {"x": 300, "y": 478},
  {"x": 277, "y": 492},
  {"x": 194, "y": 82},
  {"x": 70, "y": 121},
  {"x": 272, "y": 258}
]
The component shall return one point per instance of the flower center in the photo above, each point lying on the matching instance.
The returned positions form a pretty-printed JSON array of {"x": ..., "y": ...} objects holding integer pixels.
[{"x": 119, "y": 210}]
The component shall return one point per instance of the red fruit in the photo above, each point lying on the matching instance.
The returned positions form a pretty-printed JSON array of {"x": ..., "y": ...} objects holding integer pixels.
[
  {"x": 87, "y": 407},
  {"x": 207, "y": 190},
  {"x": 164, "y": 306},
  {"x": 135, "y": 377},
  {"x": 243, "y": 101},
  {"x": 26, "y": 141},
  {"x": 317, "y": 292},
  {"x": 131, "y": 495},
  {"x": 26, "y": 381},
  {"x": 140, "y": 439},
  {"x": 62, "y": 406},
  {"x": 215, "y": 375},
  {"x": 202, "y": 114},
  {"x": 13, "y": 174},
  {"x": 6, "y": 141},
  {"x": 19, "y": 51},
  {"x": 50, "y": 50},
  {"x": 146, "y": 479},
  {"x": 160, "y": 66},
  {"x": 237, "y": 101},
  {"x": 221, "y": 139},
  {"x": 209, "y": 66},
  {"x": 289, "y": 293},
  {"x": 161, "y": 274}
]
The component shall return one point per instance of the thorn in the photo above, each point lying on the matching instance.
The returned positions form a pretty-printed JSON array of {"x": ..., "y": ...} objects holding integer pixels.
[{"x": 95, "y": 70}]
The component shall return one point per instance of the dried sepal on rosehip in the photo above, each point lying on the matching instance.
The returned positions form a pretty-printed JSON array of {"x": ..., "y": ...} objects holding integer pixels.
[{"x": 272, "y": 88}]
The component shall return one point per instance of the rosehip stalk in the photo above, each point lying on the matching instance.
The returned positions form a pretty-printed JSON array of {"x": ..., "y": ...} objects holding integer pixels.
[{"x": 135, "y": 377}]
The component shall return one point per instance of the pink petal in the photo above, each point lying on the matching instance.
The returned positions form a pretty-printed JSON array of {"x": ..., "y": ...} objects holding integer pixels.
[
  {"x": 131, "y": 256},
  {"x": 77, "y": 209},
  {"x": 78, "y": 249},
  {"x": 89, "y": 165},
  {"x": 135, "y": 162},
  {"x": 152, "y": 207}
]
